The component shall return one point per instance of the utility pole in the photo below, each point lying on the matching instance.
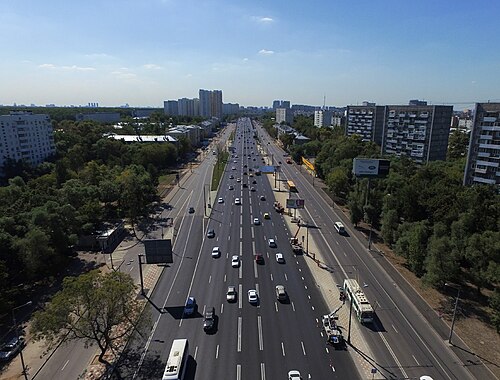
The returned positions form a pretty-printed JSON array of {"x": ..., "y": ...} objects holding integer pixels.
[
  {"x": 457, "y": 288},
  {"x": 16, "y": 328}
]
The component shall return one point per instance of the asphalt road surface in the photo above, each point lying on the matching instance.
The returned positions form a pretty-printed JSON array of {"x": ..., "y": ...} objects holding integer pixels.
[{"x": 261, "y": 341}]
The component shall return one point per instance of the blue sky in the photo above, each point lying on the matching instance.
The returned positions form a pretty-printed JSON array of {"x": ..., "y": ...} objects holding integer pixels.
[{"x": 143, "y": 52}]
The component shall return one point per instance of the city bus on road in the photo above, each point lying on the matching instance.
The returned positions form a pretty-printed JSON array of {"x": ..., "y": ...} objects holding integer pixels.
[
  {"x": 362, "y": 308},
  {"x": 291, "y": 187},
  {"x": 177, "y": 360}
]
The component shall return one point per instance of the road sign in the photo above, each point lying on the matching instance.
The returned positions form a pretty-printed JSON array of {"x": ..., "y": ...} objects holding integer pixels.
[
  {"x": 294, "y": 203},
  {"x": 158, "y": 251}
]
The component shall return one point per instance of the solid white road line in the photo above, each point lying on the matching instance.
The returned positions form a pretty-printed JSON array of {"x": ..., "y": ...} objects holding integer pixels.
[
  {"x": 240, "y": 298},
  {"x": 238, "y": 372},
  {"x": 239, "y": 334},
  {"x": 259, "y": 327}
]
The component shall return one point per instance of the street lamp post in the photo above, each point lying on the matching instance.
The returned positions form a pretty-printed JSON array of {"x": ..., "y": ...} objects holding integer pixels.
[
  {"x": 457, "y": 288},
  {"x": 16, "y": 328}
]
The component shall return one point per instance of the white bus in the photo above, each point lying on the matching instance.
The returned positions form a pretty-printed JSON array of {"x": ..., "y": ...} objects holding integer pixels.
[
  {"x": 177, "y": 360},
  {"x": 362, "y": 308}
]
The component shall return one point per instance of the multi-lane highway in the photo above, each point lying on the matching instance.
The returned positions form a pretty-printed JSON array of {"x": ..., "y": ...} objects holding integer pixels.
[
  {"x": 266, "y": 340},
  {"x": 402, "y": 340},
  {"x": 251, "y": 341}
]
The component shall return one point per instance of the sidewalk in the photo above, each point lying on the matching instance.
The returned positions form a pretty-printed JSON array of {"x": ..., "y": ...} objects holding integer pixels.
[{"x": 323, "y": 278}]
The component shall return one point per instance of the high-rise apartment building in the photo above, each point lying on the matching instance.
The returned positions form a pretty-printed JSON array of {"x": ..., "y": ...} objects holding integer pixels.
[
  {"x": 25, "y": 136},
  {"x": 281, "y": 104},
  {"x": 170, "y": 107},
  {"x": 210, "y": 103},
  {"x": 216, "y": 104},
  {"x": 284, "y": 115},
  {"x": 323, "y": 118},
  {"x": 419, "y": 132},
  {"x": 205, "y": 108},
  {"x": 366, "y": 121},
  {"x": 483, "y": 160}
]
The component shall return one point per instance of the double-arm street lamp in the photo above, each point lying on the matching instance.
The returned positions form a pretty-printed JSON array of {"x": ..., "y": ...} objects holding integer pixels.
[
  {"x": 16, "y": 328},
  {"x": 457, "y": 288}
]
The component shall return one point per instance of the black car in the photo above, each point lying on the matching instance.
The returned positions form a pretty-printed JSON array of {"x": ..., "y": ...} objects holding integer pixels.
[
  {"x": 209, "y": 319},
  {"x": 211, "y": 233},
  {"x": 191, "y": 210},
  {"x": 11, "y": 348}
]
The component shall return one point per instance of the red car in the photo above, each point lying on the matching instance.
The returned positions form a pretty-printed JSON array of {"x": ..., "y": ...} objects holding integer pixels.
[{"x": 259, "y": 259}]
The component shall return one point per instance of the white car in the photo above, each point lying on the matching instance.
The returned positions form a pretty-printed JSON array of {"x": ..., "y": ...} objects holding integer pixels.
[
  {"x": 279, "y": 258},
  {"x": 252, "y": 296},
  {"x": 231, "y": 294},
  {"x": 237, "y": 201},
  {"x": 220, "y": 200},
  {"x": 215, "y": 252},
  {"x": 256, "y": 221},
  {"x": 238, "y": 180},
  {"x": 235, "y": 261},
  {"x": 233, "y": 168},
  {"x": 272, "y": 243},
  {"x": 294, "y": 375}
]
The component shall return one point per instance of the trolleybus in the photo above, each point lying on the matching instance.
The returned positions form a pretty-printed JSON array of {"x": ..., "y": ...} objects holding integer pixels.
[
  {"x": 177, "y": 360},
  {"x": 362, "y": 308}
]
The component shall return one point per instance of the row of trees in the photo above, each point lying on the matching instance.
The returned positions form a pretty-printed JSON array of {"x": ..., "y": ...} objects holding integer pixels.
[
  {"x": 444, "y": 230},
  {"x": 93, "y": 179}
]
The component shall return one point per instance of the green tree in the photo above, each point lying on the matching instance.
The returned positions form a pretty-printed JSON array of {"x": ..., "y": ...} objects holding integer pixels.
[
  {"x": 390, "y": 222},
  {"x": 440, "y": 264},
  {"x": 36, "y": 253},
  {"x": 338, "y": 182},
  {"x": 97, "y": 308},
  {"x": 458, "y": 143},
  {"x": 286, "y": 140},
  {"x": 412, "y": 244},
  {"x": 136, "y": 191},
  {"x": 483, "y": 251},
  {"x": 495, "y": 306}
]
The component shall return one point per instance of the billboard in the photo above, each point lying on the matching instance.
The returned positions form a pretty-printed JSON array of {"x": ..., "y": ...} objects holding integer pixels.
[
  {"x": 267, "y": 169},
  {"x": 295, "y": 203},
  {"x": 370, "y": 167},
  {"x": 158, "y": 251}
]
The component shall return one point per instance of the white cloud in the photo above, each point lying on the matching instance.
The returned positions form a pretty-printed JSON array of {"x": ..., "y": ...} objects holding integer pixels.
[
  {"x": 245, "y": 59},
  {"x": 51, "y": 66},
  {"x": 266, "y": 52},
  {"x": 151, "y": 66},
  {"x": 78, "y": 68},
  {"x": 264, "y": 20},
  {"x": 123, "y": 74}
]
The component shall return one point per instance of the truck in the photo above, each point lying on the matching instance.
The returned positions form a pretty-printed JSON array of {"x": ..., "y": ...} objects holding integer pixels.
[
  {"x": 279, "y": 208},
  {"x": 295, "y": 243},
  {"x": 332, "y": 330}
]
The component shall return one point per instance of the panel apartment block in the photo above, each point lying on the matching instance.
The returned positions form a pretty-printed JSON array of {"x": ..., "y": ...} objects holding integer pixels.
[
  {"x": 419, "y": 132},
  {"x": 365, "y": 121},
  {"x": 26, "y": 136},
  {"x": 483, "y": 160}
]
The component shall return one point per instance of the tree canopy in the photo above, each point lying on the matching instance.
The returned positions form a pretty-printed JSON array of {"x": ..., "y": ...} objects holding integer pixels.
[{"x": 97, "y": 308}]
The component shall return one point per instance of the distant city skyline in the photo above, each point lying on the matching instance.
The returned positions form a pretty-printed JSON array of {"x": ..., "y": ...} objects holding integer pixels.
[{"x": 145, "y": 52}]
